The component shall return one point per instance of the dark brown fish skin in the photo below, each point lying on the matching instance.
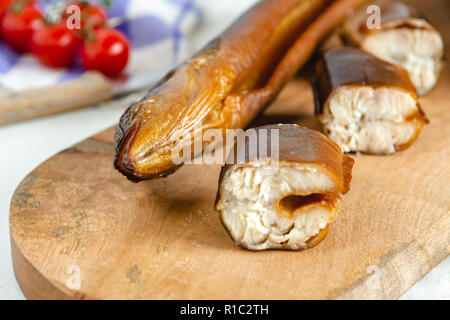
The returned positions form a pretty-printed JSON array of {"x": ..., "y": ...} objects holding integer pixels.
[
  {"x": 351, "y": 66},
  {"x": 393, "y": 15},
  {"x": 227, "y": 83},
  {"x": 301, "y": 145},
  {"x": 397, "y": 10},
  {"x": 397, "y": 14}
]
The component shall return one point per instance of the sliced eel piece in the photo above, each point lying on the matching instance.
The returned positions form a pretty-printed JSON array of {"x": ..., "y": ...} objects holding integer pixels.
[
  {"x": 284, "y": 202},
  {"x": 405, "y": 38},
  {"x": 366, "y": 104}
]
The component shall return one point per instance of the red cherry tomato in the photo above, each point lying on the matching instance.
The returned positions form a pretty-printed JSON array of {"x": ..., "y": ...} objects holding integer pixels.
[
  {"x": 108, "y": 52},
  {"x": 55, "y": 46},
  {"x": 19, "y": 24},
  {"x": 4, "y": 5},
  {"x": 92, "y": 15}
]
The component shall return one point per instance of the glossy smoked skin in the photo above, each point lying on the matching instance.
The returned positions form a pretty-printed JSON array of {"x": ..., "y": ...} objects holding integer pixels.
[
  {"x": 300, "y": 145},
  {"x": 351, "y": 66},
  {"x": 392, "y": 15},
  {"x": 397, "y": 14},
  {"x": 226, "y": 84},
  {"x": 303, "y": 146}
]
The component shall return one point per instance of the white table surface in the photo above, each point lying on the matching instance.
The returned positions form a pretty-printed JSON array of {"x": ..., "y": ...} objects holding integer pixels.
[{"x": 25, "y": 145}]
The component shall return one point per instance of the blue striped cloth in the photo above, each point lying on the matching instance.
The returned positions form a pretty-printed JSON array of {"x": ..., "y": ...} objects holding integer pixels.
[{"x": 158, "y": 31}]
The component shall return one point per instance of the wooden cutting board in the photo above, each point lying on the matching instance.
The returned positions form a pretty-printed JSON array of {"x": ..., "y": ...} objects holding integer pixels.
[{"x": 80, "y": 230}]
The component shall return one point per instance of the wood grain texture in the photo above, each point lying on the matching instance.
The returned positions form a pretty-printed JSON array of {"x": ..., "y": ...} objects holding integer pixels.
[
  {"x": 85, "y": 91},
  {"x": 161, "y": 239}
]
